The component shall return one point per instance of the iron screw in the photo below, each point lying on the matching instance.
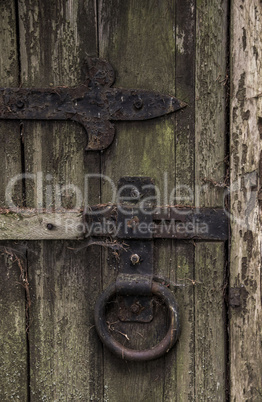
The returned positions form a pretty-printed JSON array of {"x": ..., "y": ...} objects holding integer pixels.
[
  {"x": 135, "y": 308},
  {"x": 135, "y": 259},
  {"x": 138, "y": 103},
  {"x": 134, "y": 193},
  {"x": 50, "y": 226},
  {"x": 19, "y": 104}
]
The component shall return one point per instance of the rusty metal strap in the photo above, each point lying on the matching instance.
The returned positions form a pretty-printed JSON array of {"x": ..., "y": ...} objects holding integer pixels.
[{"x": 208, "y": 224}]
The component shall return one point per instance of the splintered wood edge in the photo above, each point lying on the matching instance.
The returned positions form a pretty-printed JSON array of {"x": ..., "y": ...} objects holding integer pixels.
[{"x": 28, "y": 225}]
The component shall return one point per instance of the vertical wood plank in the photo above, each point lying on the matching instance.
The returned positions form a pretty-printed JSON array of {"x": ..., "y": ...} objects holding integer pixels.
[
  {"x": 13, "y": 343},
  {"x": 180, "y": 362},
  {"x": 210, "y": 323},
  {"x": 10, "y": 150},
  {"x": 185, "y": 194},
  {"x": 210, "y": 147},
  {"x": 138, "y": 39},
  {"x": 65, "y": 363},
  {"x": 185, "y": 90},
  {"x": 211, "y": 85},
  {"x": 61, "y": 334},
  {"x": 131, "y": 35},
  {"x": 246, "y": 184}
]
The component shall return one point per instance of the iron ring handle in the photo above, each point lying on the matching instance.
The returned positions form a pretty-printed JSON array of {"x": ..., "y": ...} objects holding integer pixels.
[{"x": 131, "y": 354}]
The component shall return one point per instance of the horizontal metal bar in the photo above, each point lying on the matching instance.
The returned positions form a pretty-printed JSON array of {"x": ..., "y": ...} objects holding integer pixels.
[
  {"x": 168, "y": 222},
  {"x": 192, "y": 223}
]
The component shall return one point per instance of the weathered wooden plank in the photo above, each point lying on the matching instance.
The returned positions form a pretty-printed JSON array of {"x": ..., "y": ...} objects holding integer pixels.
[
  {"x": 13, "y": 343},
  {"x": 211, "y": 77},
  {"x": 11, "y": 164},
  {"x": 10, "y": 150},
  {"x": 61, "y": 329},
  {"x": 28, "y": 225},
  {"x": 180, "y": 362},
  {"x": 65, "y": 364},
  {"x": 137, "y": 38},
  {"x": 210, "y": 357},
  {"x": 210, "y": 147},
  {"x": 245, "y": 142},
  {"x": 180, "y": 365},
  {"x": 185, "y": 89}
]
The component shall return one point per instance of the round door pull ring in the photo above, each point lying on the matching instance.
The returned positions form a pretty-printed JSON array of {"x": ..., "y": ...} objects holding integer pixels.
[{"x": 132, "y": 354}]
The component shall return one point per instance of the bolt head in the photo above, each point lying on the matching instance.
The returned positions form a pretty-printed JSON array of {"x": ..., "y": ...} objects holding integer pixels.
[
  {"x": 135, "y": 259},
  {"x": 135, "y": 308},
  {"x": 138, "y": 103},
  {"x": 135, "y": 193}
]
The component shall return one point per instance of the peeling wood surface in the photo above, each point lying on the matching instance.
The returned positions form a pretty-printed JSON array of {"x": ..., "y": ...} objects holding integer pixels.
[
  {"x": 245, "y": 272},
  {"x": 13, "y": 338},
  {"x": 210, "y": 146},
  {"x": 210, "y": 344},
  {"x": 65, "y": 363},
  {"x": 211, "y": 86}
]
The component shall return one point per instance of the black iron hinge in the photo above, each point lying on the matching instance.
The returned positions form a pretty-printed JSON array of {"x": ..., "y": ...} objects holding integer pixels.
[{"x": 94, "y": 104}]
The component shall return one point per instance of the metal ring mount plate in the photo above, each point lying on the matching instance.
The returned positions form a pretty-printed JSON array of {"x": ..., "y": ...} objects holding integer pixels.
[{"x": 132, "y": 354}]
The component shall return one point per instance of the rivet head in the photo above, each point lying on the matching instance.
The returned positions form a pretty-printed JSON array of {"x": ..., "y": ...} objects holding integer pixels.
[
  {"x": 135, "y": 259},
  {"x": 135, "y": 308},
  {"x": 50, "y": 226},
  {"x": 20, "y": 104},
  {"x": 138, "y": 104},
  {"x": 135, "y": 193}
]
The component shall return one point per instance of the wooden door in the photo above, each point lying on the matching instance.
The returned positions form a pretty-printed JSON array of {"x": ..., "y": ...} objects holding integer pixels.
[{"x": 50, "y": 281}]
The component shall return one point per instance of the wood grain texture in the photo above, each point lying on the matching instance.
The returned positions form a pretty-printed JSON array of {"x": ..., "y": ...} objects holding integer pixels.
[
  {"x": 210, "y": 152},
  {"x": 245, "y": 271},
  {"x": 61, "y": 323},
  {"x": 211, "y": 84},
  {"x": 10, "y": 150},
  {"x": 180, "y": 364},
  {"x": 144, "y": 148},
  {"x": 65, "y": 364},
  {"x": 28, "y": 225},
  {"x": 185, "y": 26},
  {"x": 210, "y": 358},
  {"x": 13, "y": 343}
]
